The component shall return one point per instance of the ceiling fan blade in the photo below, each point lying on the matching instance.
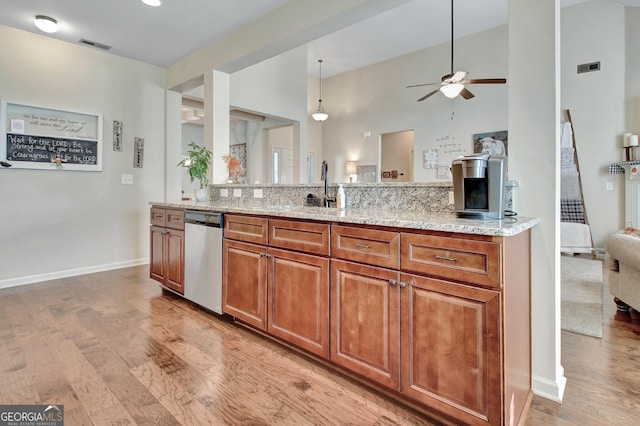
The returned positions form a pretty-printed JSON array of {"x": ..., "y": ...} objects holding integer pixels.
[
  {"x": 466, "y": 94},
  {"x": 420, "y": 85},
  {"x": 428, "y": 95},
  {"x": 459, "y": 75},
  {"x": 486, "y": 81}
]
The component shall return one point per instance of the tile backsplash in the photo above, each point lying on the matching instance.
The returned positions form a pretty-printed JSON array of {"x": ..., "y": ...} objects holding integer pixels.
[{"x": 420, "y": 196}]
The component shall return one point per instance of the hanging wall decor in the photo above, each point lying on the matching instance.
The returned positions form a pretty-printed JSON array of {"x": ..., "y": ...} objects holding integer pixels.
[{"x": 35, "y": 137}]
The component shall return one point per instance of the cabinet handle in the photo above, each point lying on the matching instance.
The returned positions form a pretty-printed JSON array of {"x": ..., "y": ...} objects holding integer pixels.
[
  {"x": 157, "y": 216},
  {"x": 403, "y": 284},
  {"x": 393, "y": 282},
  {"x": 267, "y": 255},
  {"x": 452, "y": 259},
  {"x": 365, "y": 246}
]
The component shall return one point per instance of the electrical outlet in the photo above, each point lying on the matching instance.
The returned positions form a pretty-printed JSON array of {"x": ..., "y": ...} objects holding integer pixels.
[
  {"x": 608, "y": 186},
  {"x": 224, "y": 192},
  {"x": 127, "y": 179},
  {"x": 237, "y": 192},
  {"x": 257, "y": 193},
  {"x": 451, "y": 200}
]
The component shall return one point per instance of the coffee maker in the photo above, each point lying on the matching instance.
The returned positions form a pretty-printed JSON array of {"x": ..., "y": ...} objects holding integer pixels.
[{"x": 479, "y": 185}]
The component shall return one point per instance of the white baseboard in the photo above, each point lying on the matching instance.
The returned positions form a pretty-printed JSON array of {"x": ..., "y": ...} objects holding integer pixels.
[
  {"x": 31, "y": 279},
  {"x": 549, "y": 389}
]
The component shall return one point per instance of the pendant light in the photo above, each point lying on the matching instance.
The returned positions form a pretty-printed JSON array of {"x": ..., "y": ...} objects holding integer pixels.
[{"x": 320, "y": 115}]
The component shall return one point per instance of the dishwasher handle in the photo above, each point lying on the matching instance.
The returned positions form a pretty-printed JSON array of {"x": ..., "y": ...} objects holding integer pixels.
[{"x": 204, "y": 218}]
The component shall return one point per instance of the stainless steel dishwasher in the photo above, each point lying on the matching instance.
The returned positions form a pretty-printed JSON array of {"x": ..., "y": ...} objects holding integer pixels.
[{"x": 203, "y": 258}]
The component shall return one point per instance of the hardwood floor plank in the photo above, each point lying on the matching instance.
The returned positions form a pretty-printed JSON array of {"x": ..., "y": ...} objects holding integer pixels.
[
  {"x": 174, "y": 397},
  {"x": 100, "y": 403}
]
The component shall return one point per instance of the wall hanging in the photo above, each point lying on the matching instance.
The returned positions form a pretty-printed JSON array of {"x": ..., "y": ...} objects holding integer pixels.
[{"x": 35, "y": 137}]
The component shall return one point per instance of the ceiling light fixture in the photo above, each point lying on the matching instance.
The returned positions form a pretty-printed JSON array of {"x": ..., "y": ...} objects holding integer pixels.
[
  {"x": 153, "y": 3},
  {"x": 46, "y": 24},
  {"x": 452, "y": 90},
  {"x": 320, "y": 115}
]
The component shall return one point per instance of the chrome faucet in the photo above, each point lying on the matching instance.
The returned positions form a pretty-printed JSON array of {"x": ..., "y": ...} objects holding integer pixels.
[{"x": 324, "y": 175}]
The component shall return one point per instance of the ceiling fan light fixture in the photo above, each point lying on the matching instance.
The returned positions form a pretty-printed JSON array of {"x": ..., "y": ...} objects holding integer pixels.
[
  {"x": 452, "y": 90},
  {"x": 154, "y": 3},
  {"x": 46, "y": 24},
  {"x": 320, "y": 115}
]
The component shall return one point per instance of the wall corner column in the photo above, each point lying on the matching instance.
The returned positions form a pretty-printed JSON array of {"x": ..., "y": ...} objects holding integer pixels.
[
  {"x": 216, "y": 122},
  {"x": 534, "y": 157}
]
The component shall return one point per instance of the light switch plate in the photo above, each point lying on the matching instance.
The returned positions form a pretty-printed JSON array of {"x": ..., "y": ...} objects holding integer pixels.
[
  {"x": 224, "y": 192},
  {"x": 451, "y": 199},
  {"x": 127, "y": 179},
  {"x": 237, "y": 192}
]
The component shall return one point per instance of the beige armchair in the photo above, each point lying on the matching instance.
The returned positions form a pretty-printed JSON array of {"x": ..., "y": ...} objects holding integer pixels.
[{"x": 622, "y": 268}]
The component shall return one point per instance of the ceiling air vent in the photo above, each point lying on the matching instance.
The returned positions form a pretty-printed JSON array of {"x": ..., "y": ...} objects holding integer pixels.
[
  {"x": 593, "y": 66},
  {"x": 94, "y": 44}
]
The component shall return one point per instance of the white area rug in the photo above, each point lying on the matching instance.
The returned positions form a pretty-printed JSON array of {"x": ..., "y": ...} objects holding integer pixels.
[{"x": 581, "y": 295}]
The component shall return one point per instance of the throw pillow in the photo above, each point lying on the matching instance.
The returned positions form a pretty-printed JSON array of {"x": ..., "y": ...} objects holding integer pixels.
[{"x": 632, "y": 232}]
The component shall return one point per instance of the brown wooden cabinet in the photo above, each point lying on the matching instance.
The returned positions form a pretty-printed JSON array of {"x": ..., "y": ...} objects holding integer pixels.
[
  {"x": 450, "y": 330},
  {"x": 439, "y": 320},
  {"x": 244, "y": 282},
  {"x": 167, "y": 248},
  {"x": 451, "y": 348},
  {"x": 365, "y": 321},
  {"x": 284, "y": 292},
  {"x": 298, "y": 299}
]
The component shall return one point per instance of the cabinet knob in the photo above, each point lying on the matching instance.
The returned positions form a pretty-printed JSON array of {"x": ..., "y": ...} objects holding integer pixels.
[
  {"x": 403, "y": 284},
  {"x": 393, "y": 282}
]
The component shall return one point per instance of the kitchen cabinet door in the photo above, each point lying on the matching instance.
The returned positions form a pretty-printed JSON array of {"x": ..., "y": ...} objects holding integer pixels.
[
  {"x": 299, "y": 299},
  {"x": 174, "y": 259},
  {"x": 244, "y": 282},
  {"x": 365, "y": 321},
  {"x": 451, "y": 348}
]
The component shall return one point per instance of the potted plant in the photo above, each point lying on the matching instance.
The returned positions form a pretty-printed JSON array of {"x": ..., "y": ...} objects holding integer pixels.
[{"x": 198, "y": 164}]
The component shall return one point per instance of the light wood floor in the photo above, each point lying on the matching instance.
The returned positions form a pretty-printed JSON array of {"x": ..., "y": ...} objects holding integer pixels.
[{"x": 114, "y": 349}]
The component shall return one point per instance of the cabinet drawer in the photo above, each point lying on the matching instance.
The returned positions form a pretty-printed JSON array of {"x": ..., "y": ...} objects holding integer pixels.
[
  {"x": 175, "y": 219},
  {"x": 458, "y": 259},
  {"x": 301, "y": 236},
  {"x": 245, "y": 228},
  {"x": 378, "y": 248},
  {"x": 158, "y": 216}
]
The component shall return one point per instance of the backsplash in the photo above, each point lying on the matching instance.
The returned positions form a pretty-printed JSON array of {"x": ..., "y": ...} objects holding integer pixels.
[{"x": 419, "y": 196}]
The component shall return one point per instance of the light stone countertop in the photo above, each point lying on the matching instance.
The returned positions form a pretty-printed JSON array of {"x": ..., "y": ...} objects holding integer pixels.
[{"x": 447, "y": 222}]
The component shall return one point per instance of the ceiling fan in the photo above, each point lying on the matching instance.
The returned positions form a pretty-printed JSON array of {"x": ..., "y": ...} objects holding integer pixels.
[{"x": 453, "y": 84}]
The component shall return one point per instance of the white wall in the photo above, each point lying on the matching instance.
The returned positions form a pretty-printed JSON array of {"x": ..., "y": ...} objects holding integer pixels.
[
  {"x": 595, "y": 31},
  {"x": 375, "y": 99},
  {"x": 632, "y": 76},
  {"x": 277, "y": 87},
  {"x": 57, "y": 223}
]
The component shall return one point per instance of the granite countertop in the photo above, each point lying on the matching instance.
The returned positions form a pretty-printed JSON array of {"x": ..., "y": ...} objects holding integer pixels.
[{"x": 447, "y": 222}]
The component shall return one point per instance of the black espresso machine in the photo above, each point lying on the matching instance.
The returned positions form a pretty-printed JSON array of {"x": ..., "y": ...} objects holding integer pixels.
[{"x": 479, "y": 185}]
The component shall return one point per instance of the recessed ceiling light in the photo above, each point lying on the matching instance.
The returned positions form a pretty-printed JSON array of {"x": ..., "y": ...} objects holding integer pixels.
[
  {"x": 152, "y": 2},
  {"x": 46, "y": 24}
]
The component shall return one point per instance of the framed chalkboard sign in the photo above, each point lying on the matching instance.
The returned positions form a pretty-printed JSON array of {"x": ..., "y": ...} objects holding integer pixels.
[{"x": 35, "y": 137}]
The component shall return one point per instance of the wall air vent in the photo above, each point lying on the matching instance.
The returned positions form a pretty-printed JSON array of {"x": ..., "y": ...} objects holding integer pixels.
[
  {"x": 94, "y": 44},
  {"x": 593, "y": 66}
]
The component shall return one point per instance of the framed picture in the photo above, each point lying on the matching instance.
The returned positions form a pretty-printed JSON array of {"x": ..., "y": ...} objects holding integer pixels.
[
  {"x": 386, "y": 175},
  {"x": 491, "y": 143},
  {"x": 35, "y": 137}
]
